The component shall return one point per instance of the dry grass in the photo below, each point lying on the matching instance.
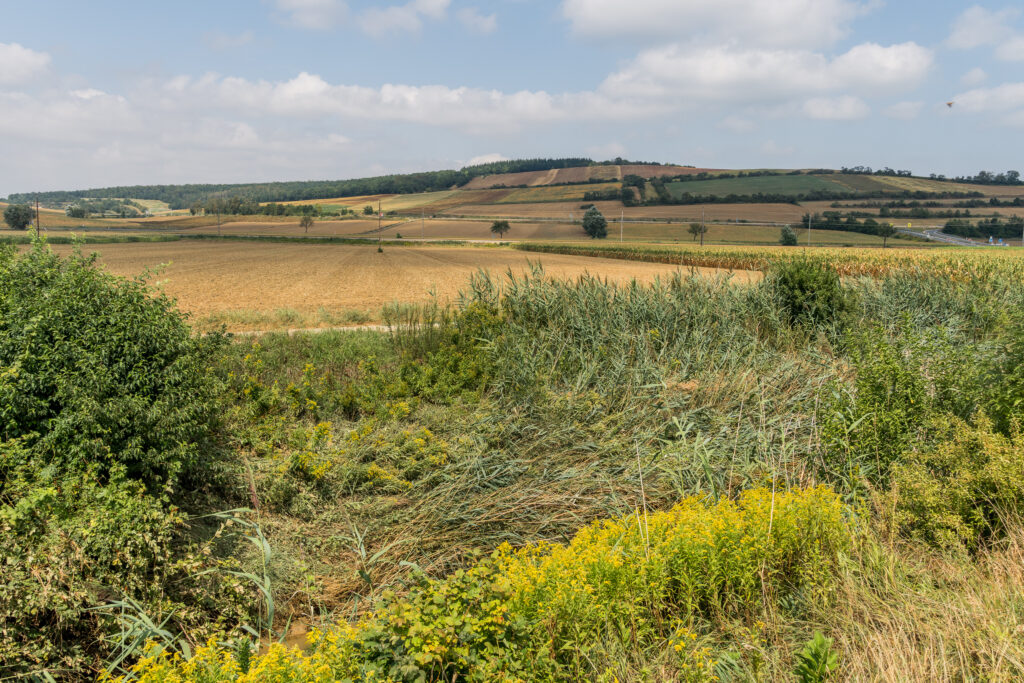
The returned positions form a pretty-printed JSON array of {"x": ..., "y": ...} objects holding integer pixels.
[
  {"x": 910, "y": 616},
  {"x": 557, "y": 193},
  {"x": 210, "y": 278},
  {"x": 774, "y": 213}
]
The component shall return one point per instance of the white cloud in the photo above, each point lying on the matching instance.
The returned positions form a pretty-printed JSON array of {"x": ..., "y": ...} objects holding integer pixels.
[
  {"x": 978, "y": 27},
  {"x": 845, "y": 108},
  {"x": 476, "y": 22},
  {"x": 904, "y": 111},
  {"x": 731, "y": 74},
  {"x": 1000, "y": 98},
  {"x": 407, "y": 18},
  {"x": 486, "y": 159},
  {"x": 975, "y": 76},
  {"x": 80, "y": 116},
  {"x": 779, "y": 23},
  {"x": 309, "y": 95},
  {"x": 19, "y": 64},
  {"x": 318, "y": 15}
]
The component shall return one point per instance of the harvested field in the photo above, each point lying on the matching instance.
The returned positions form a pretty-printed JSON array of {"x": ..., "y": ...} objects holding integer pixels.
[
  {"x": 781, "y": 184},
  {"x": 211, "y": 278},
  {"x": 481, "y": 230},
  {"x": 555, "y": 193},
  {"x": 774, "y": 213},
  {"x": 289, "y": 228}
]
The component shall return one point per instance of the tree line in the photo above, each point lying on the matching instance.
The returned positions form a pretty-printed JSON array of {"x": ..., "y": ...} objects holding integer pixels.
[
  {"x": 988, "y": 178},
  {"x": 1012, "y": 227}
]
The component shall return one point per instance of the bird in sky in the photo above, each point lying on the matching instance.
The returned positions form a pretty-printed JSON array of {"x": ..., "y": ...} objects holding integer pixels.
[{"x": 950, "y": 104}]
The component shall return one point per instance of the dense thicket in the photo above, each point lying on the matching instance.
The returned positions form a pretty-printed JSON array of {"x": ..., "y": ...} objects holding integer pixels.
[{"x": 106, "y": 407}]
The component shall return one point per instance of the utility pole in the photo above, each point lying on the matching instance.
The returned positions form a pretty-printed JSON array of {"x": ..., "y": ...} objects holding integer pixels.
[
  {"x": 380, "y": 215},
  {"x": 703, "y": 227},
  {"x": 37, "y": 216},
  {"x": 422, "y": 222},
  {"x": 622, "y": 217},
  {"x": 810, "y": 219},
  {"x": 218, "y": 220}
]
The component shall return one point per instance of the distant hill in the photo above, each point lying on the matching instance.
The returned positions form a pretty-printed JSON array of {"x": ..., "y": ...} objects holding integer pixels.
[
  {"x": 631, "y": 180},
  {"x": 184, "y": 196}
]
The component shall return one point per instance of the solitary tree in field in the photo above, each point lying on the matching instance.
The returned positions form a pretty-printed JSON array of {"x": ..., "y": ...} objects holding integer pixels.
[
  {"x": 788, "y": 237},
  {"x": 367, "y": 210},
  {"x": 499, "y": 228},
  {"x": 306, "y": 222},
  {"x": 697, "y": 230},
  {"x": 18, "y": 216},
  {"x": 885, "y": 231},
  {"x": 594, "y": 223}
]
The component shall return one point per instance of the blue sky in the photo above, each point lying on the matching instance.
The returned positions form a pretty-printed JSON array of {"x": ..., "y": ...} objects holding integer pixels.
[{"x": 118, "y": 92}]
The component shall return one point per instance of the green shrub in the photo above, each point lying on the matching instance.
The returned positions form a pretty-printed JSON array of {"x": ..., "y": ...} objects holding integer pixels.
[
  {"x": 788, "y": 238},
  {"x": 1005, "y": 383},
  {"x": 99, "y": 371},
  {"x": 809, "y": 292},
  {"x": 954, "y": 495},
  {"x": 903, "y": 380},
  {"x": 106, "y": 404},
  {"x": 67, "y": 545}
]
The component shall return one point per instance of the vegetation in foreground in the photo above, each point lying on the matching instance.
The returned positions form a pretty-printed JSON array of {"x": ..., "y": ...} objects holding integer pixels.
[{"x": 799, "y": 478}]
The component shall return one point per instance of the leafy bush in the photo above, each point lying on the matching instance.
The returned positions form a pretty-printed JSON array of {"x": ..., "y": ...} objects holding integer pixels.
[
  {"x": 552, "y": 612},
  {"x": 99, "y": 371},
  {"x": 106, "y": 400},
  {"x": 18, "y": 216},
  {"x": 954, "y": 495},
  {"x": 809, "y": 292},
  {"x": 788, "y": 238},
  {"x": 904, "y": 380},
  {"x": 595, "y": 224}
]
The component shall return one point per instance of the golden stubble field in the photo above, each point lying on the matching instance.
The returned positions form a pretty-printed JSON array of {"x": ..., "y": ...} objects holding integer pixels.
[{"x": 210, "y": 278}]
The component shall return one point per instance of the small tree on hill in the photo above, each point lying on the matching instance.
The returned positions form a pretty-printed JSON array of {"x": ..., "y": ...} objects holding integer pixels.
[
  {"x": 594, "y": 223},
  {"x": 306, "y": 222},
  {"x": 885, "y": 231},
  {"x": 18, "y": 216},
  {"x": 367, "y": 210},
  {"x": 788, "y": 237},
  {"x": 499, "y": 228}
]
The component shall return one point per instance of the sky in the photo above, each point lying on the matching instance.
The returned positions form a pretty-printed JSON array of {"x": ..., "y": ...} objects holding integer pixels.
[{"x": 122, "y": 92}]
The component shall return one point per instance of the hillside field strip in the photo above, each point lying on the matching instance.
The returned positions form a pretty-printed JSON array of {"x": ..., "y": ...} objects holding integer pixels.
[
  {"x": 210, "y": 277},
  {"x": 776, "y": 184}
]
